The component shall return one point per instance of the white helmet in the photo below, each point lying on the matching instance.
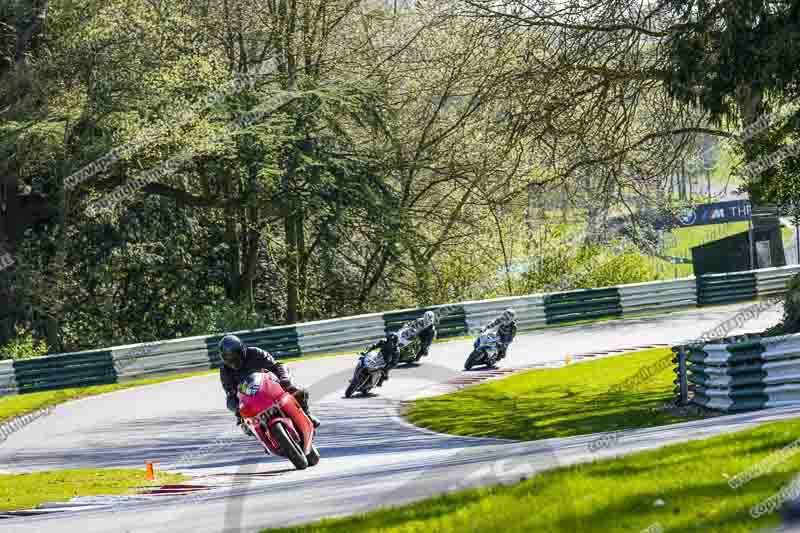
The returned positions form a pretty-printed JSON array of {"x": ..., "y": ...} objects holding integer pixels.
[
  {"x": 509, "y": 315},
  {"x": 428, "y": 318}
]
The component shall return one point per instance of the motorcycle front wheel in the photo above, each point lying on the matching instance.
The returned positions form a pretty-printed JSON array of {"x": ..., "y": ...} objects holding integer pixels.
[
  {"x": 289, "y": 447},
  {"x": 313, "y": 456},
  {"x": 471, "y": 360},
  {"x": 355, "y": 384}
]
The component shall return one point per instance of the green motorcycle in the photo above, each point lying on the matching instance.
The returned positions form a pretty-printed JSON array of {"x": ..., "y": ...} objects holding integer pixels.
[{"x": 411, "y": 353}]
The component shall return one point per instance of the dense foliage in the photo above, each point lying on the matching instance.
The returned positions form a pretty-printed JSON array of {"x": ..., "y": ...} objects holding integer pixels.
[{"x": 309, "y": 159}]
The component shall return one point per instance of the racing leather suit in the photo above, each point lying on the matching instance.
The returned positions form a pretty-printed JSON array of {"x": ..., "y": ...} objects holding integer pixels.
[
  {"x": 426, "y": 337},
  {"x": 391, "y": 355},
  {"x": 506, "y": 331}
]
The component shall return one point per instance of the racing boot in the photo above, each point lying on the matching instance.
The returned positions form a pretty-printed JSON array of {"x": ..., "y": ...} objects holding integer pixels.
[
  {"x": 501, "y": 352},
  {"x": 384, "y": 377},
  {"x": 301, "y": 395}
]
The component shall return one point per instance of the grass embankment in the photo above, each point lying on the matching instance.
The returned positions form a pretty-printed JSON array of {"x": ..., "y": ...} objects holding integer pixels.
[
  {"x": 590, "y": 397},
  {"x": 612, "y": 495},
  {"x": 26, "y": 491}
]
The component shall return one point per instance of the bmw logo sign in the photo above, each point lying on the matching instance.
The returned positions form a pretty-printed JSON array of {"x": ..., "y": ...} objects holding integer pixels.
[{"x": 687, "y": 216}]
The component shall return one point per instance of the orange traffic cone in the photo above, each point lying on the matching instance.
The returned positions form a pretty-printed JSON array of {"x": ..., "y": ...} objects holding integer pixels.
[{"x": 151, "y": 475}]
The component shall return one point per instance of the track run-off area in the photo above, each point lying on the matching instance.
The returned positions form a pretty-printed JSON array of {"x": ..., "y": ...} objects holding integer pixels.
[{"x": 370, "y": 456}]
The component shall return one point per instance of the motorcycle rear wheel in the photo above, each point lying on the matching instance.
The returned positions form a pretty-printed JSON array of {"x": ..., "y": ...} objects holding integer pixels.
[
  {"x": 313, "y": 456},
  {"x": 289, "y": 447}
]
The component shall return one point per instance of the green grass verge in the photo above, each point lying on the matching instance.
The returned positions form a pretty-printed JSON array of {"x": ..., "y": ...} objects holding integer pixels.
[
  {"x": 611, "y": 495},
  {"x": 26, "y": 491},
  {"x": 572, "y": 400}
]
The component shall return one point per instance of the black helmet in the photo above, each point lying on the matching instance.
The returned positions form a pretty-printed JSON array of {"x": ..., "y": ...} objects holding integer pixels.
[{"x": 231, "y": 350}]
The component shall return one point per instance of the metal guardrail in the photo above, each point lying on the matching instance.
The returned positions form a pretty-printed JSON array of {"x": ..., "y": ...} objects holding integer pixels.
[
  {"x": 717, "y": 289},
  {"x": 80, "y": 369},
  {"x": 451, "y": 324},
  {"x": 530, "y": 312},
  {"x": 342, "y": 335},
  {"x": 657, "y": 297},
  {"x": 8, "y": 383},
  {"x": 773, "y": 280},
  {"x": 587, "y": 304},
  {"x": 137, "y": 361},
  {"x": 742, "y": 373}
]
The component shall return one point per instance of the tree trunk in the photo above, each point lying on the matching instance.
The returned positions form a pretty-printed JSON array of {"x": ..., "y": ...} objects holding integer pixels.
[
  {"x": 302, "y": 264},
  {"x": 232, "y": 240},
  {"x": 52, "y": 322},
  {"x": 250, "y": 259},
  {"x": 290, "y": 224}
]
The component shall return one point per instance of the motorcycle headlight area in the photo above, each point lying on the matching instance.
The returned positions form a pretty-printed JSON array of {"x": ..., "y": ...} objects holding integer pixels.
[{"x": 373, "y": 362}]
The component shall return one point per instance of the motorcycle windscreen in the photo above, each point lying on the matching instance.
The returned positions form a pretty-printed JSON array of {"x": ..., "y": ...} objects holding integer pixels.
[
  {"x": 373, "y": 361},
  {"x": 250, "y": 385}
]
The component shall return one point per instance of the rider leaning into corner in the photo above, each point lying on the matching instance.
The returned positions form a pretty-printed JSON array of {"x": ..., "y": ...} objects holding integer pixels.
[
  {"x": 426, "y": 330},
  {"x": 390, "y": 346},
  {"x": 389, "y": 351},
  {"x": 506, "y": 325},
  {"x": 239, "y": 361}
]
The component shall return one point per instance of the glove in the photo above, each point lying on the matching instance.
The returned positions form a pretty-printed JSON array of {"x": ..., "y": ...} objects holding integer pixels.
[{"x": 288, "y": 387}]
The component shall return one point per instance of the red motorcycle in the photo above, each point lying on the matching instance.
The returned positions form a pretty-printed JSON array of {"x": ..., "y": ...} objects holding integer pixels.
[{"x": 275, "y": 417}]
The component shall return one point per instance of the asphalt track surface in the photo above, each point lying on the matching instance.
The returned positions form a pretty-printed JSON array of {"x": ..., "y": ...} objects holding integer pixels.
[{"x": 370, "y": 457}]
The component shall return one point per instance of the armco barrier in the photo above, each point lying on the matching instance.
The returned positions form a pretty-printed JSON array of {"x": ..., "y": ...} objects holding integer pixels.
[
  {"x": 123, "y": 363},
  {"x": 529, "y": 309},
  {"x": 656, "y": 297},
  {"x": 453, "y": 324},
  {"x": 773, "y": 280},
  {"x": 51, "y": 372},
  {"x": 584, "y": 304},
  {"x": 340, "y": 334},
  {"x": 717, "y": 289},
  {"x": 736, "y": 374},
  {"x": 8, "y": 383},
  {"x": 138, "y": 361}
]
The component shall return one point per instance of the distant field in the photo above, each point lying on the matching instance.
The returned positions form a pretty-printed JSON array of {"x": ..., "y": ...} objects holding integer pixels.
[{"x": 686, "y": 238}]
